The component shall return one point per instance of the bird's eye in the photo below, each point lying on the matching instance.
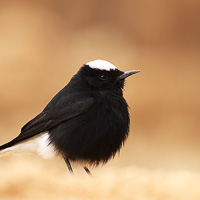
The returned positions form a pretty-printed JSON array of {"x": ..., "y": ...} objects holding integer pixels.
[{"x": 103, "y": 77}]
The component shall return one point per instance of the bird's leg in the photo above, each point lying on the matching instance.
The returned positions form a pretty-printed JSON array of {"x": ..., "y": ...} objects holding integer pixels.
[
  {"x": 69, "y": 165},
  {"x": 88, "y": 171}
]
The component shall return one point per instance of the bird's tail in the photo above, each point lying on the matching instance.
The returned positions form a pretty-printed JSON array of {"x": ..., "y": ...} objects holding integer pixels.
[
  {"x": 12, "y": 149},
  {"x": 39, "y": 144},
  {"x": 5, "y": 152},
  {"x": 5, "y": 149}
]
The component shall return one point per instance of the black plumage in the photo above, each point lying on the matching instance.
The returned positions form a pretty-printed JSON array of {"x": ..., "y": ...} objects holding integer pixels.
[{"x": 88, "y": 120}]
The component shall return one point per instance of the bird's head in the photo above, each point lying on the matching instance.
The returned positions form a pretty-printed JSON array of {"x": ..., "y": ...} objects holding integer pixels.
[{"x": 103, "y": 74}]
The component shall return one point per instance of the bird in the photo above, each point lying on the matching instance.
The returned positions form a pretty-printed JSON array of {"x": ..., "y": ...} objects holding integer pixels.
[{"x": 85, "y": 122}]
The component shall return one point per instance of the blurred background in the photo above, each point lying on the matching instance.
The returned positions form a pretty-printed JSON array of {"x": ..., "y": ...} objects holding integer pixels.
[{"x": 43, "y": 43}]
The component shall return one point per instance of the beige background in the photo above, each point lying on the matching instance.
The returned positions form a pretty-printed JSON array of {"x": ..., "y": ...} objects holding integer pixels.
[{"x": 43, "y": 43}]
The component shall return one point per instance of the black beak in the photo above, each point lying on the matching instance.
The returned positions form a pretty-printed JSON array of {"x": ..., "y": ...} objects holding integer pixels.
[{"x": 127, "y": 74}]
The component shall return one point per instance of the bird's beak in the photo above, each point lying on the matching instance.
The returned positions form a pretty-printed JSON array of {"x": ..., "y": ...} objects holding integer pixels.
[{"x": 127, "y": 74}]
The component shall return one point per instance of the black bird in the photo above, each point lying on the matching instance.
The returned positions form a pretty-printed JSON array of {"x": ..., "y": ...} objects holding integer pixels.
[{"x": 86, "y": 122}]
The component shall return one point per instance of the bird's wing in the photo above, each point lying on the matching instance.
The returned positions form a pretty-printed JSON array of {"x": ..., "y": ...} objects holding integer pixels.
[{"x": 48, "y": 119}]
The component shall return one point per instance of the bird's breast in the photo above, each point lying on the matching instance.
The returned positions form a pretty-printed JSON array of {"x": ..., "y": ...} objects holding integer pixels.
[{"x": 97, "y": 134}]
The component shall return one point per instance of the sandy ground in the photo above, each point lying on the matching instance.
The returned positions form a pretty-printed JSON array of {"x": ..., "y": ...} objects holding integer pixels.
[{"x": 32, "y": 178}]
